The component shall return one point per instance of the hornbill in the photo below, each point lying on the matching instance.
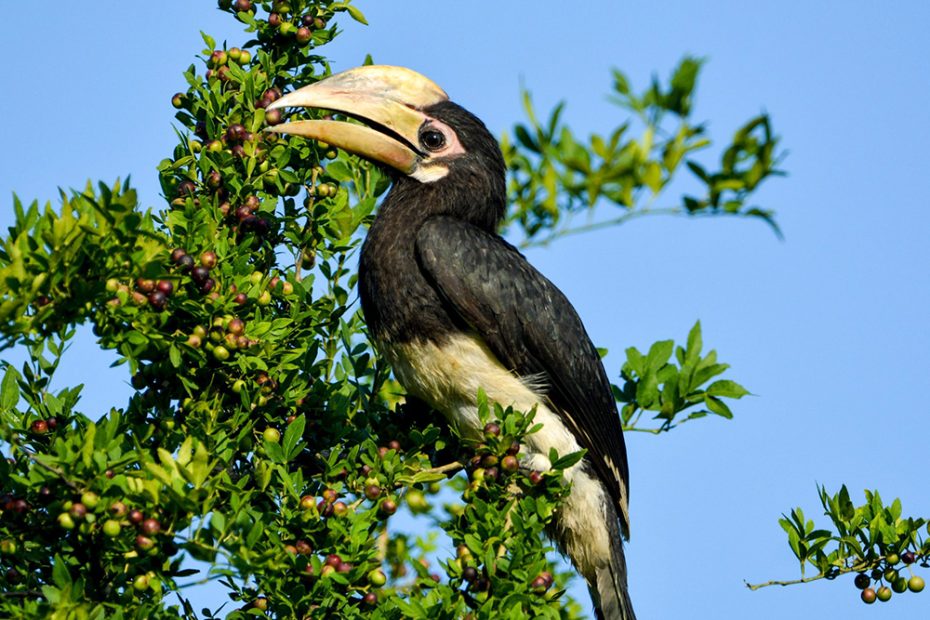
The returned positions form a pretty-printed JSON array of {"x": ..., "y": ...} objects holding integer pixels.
[{"x": 454, "y": 308}]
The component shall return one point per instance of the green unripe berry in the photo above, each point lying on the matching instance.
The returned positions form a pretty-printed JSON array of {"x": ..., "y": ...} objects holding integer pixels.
[
  {"x": 915, "y": 584},
  {"x": 271, "y": 435}
]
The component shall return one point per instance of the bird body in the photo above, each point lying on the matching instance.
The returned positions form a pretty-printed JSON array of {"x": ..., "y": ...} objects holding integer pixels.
[{"x": 456, "y": 310}]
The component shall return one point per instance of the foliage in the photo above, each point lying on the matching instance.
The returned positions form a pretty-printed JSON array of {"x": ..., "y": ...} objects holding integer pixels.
[
  {"x": 652, "y": 383},
  {"x": 873, "y": 540},
  {"x": 266, "y": 439},
  {"x": 554, "y": 175}
]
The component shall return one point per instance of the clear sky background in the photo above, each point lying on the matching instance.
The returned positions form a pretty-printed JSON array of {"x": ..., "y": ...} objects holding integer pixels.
[{"x": 828, "y": 328}]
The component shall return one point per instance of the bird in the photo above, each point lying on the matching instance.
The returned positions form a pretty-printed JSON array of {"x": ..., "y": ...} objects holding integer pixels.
[{"x": 455, "y": 309}]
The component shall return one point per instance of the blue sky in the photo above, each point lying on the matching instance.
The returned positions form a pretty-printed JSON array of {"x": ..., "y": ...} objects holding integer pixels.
[{"x": 828, "y": 328}]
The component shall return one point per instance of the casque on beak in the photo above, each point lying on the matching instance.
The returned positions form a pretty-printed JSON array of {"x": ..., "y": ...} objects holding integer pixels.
[{"x": 388, "y": 99}]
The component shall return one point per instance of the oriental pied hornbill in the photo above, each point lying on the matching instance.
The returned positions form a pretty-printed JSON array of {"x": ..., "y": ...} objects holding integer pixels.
[{"x": 454, "y": 308}]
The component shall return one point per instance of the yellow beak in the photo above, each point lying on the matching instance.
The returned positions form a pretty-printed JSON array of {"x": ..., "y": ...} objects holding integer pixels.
[{"x": 388, "y": 99}]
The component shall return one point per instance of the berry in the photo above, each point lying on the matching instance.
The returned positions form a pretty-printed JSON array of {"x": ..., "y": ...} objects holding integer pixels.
[
  {"x": 271, "y": 435},
  {"x": 241, "y": 299},
  {"x": 150, "y": 527},
  {"x": 118, "y": 509},
  {"x": 303, "y": 547},
  {"x": 200, "y": 274},
  {"x": 510, "y": 463},
  {"x": 915, "y": 584},
  {"x": 892, "y": 558},
  {"x": 65, "y": 521},
  {"x": 884, "y": 594},
  {"x": 908, "y": 557},
  {"x": 90, "y": 499},
  {"x": 333, "y": 560},
  {"x": 236, "y": 326},
  {"x": 388, "y": 507},
  {"x": 890, "y": 574},
  {"x": 469, "y": 573},
  {"x": 862, "y": 581},
  {"x": 111, "y": 528},
  {"x": 208, "y": 285},
  {"x": 492, "y": 430},
  {"x": 145, "y": 285},
  {"x": 535, "y": 477},
  {"x": 141, "y": 582},
  {"x": 78, "y": 510},
  {"x": 307, "y": 502},
  {"x": 220, "y": 352},
  {"x": 242, "y": 6},
  {"x": 372, "y": 491},
  {"x": 377, "y": 578},
  {"x": 178, "y": 100},
  {"x": 261, "y": 603},
  {"x": 899, "y": 585},
  {"x": 208, "y": 259},
  {"x": 274, "y": 20},
  {"x": 39, "y": 427},
  {"x": 370, "y": 599},
  {"x": 185, "y": 263},
  {"x": 273, "y": 117},
  {"x": 868, "y": 596},
  {"x": 158, "y": 300},
  {"x": 165, "y": 286},
  {"x": 235, "y": 133},
  {"x": 186, "y": 188},
  {"x": 144, "y": 543},
  {"x": 136, "y": 517},
  {"x": 304, "y": 35}
]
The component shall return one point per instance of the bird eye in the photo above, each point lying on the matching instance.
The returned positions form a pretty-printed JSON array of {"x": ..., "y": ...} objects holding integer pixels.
[{"x": 433, "y": 140}]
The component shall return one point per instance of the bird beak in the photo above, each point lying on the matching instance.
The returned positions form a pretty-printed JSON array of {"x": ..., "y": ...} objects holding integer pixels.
[{"x": 388, "y": 99}]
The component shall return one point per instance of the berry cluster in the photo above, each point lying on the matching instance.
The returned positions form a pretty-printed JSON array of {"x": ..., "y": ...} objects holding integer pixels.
[{"x": 888, "y": 579}]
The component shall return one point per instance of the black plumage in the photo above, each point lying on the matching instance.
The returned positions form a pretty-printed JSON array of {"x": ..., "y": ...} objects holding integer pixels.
[{"x": 456, "y": 309}]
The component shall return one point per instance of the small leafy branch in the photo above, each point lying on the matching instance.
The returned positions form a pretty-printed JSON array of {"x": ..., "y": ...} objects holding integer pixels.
[
  {"x": 653, "y": 383},
  {"x": 872, "y": 540},
  {"x": 555, "y": 176}
]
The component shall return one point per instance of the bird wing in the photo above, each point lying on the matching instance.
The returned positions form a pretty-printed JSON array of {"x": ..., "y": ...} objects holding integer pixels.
[{"x": 533, "y": 330}]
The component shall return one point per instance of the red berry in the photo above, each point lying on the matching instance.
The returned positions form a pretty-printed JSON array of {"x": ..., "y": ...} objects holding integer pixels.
[
  {"x": 39, "y": 427},
  {"x": 303, "y": 547},
  {"x": 388, "y": 507},
  {"x": 242, "y": 6},
  {"x": 150, "y": 527},
  {"x": 241, "y": 299},
  {"x": 333, "y": 560},
  {"x": 304, "y": 35},
  {"x": 492, "y": 430},
  {"x": 165, "y": 286},
  {"x": 144, "y": 542},
  {"x": 176, "y": 255},
  {"x": 136, "y": 517}
]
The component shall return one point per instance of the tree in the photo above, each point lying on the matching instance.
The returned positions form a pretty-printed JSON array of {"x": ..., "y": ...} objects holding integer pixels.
[{"x": 266, "y": 438}]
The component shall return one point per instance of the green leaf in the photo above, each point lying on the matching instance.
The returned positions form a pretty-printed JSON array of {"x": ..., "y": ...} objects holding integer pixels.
[
  {"x": 60, "y": 574},
  {"x": 211, "y": 43},
  {"x": 718, "y": 406},
  {"x": 9, "y": 389},
  {"x": 568, "y": 460},
  {"x": 726, "y": 388},
  {"x": 356, "y": 14},
  {"x": 292, "y": 435}
]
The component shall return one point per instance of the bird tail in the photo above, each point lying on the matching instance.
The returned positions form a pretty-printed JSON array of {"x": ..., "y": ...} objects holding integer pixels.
[{"x": 609, "y": 588}]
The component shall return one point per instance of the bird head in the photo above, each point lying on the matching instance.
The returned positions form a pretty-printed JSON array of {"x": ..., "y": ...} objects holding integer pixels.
[{"x": 411, "y": 126}]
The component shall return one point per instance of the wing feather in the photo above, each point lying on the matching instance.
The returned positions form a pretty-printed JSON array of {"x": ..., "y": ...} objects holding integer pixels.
[{"x": 534, "y": 330}]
